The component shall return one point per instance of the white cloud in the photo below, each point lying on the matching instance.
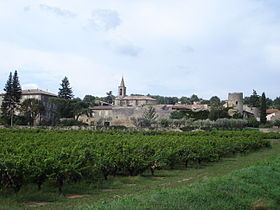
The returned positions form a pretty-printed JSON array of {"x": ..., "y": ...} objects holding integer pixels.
[
  {"x": 85, "y": 75},
  {"x": 128, "y": 49},
  {"x": 57, "y": 11},
  {"x": 104, "y": 19},
  {"x": 188, "y": 49},
  {"x": 27, "y": 8}
]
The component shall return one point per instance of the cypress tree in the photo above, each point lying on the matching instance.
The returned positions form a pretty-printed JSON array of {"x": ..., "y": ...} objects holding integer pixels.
[
  {"x": 65, "y": 91},
  {"x": 263, "y": 109}
]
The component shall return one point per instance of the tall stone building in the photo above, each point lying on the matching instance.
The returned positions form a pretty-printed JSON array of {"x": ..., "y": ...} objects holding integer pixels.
[
  {"x": 235, "y": 100},
  {"x": 123, "y": 100}
]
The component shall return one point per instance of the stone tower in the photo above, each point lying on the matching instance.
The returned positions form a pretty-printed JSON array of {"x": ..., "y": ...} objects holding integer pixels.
[
  {"x": 235, "y": 100},
  {"x": 122, "y": 89}
]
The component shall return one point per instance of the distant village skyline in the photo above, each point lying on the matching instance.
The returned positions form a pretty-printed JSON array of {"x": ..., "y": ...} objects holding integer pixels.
[{"x": 116, "y": 92}]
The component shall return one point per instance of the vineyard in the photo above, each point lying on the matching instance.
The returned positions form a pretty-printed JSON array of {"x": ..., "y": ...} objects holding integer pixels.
[{"x": 39, "y": 156}]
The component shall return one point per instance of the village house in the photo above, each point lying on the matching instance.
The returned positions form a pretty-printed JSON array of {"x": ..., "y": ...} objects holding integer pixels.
[
  {"x": 41, "y": 95},
  {"x": 273, "y": 114}
]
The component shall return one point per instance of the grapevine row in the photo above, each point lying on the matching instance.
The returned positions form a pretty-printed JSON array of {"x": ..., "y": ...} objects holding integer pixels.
[{"x": 38, "y": 156}]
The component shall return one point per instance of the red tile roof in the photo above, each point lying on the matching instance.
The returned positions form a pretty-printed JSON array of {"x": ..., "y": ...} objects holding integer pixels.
[{"x": 270, "y": 111}]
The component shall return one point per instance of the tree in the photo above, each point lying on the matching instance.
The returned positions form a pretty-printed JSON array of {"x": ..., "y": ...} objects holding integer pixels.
[
  {"x": 263, "y": 109},
  {"x": 32, "y": 109},
  {"x": 79, "y": 108},
  {"x": 217, "y": 109},
  {"x": 109, "y": 98},
  {"x": 90, "y": 100},
  {"x": 147, "y": 119},
  {"x": 65, "y": 91},
  {"x": 253, "y": 100},
  {"x": 269, "y": 103},
  {"x": 194, "y": 98},
  {"x": 185, "y": 100},
  {"x": 16, "y": 89},
  {"x": 150, "y": 114},
  {"x": 215, "y": 101},
  {"x": 11, "y": 99},
  {"x": 276, "y": 103},
  {"x": 164, "y": 100},
  {"x": 62, "y": 109},
  {"x": 7, "y": 100},
  {"x": 216, "y": 113}
]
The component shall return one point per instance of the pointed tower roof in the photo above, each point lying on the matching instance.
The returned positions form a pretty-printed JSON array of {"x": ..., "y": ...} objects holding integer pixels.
[{"x": 122, "y": 83}]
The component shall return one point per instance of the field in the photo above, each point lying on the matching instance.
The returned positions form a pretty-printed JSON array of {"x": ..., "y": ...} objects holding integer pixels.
[
  {"x": 47, "y": 167},
  {"x": 257, "y": 187}
]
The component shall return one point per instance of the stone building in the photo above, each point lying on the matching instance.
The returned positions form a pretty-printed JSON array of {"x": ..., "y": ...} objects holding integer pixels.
[
  {"x": 44, "y": 96},
  {"x": 272, "y": 114},
  {"x": 235, "y": 102},
  {"x": 123, "y": 115},
  {"x": 125, "y": 108},
  {"x": 123, "y": 100}
]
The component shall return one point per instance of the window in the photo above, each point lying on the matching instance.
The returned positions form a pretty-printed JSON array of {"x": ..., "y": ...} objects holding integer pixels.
[{"x": 106, "y": 124}]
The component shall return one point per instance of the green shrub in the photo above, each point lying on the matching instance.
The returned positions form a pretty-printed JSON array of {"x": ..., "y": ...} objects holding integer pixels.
[
  {"x": 165, "y": 123},
  {"x": 266, "y": 125},
  {"x": 252, "y": 122},
  {"x": 276, "y": 123}
]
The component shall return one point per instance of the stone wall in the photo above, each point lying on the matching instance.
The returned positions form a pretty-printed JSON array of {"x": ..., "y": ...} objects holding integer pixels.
[{"x": 117, "y": 115}]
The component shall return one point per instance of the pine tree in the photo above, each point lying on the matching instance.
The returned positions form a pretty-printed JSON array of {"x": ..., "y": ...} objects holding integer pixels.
[
  {"x": 65, "y": 91},
  {"x": 11, "y": 99},
  {"x": 263, "y": 109},
  {"x": 6, "y": 104},
  {"x": 16, "y": 89},
  {"x": 255, "y": 99}
]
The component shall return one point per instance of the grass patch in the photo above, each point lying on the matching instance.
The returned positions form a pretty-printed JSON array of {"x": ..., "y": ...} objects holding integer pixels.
[{"x": 256, "y": 187}]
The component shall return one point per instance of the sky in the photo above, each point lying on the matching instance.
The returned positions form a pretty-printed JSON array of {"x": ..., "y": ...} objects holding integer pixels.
[{"x": 160, "y": 47}]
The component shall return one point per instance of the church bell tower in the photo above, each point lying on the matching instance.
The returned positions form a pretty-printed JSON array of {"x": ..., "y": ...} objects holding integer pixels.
[{"x": 122, "y": 89}]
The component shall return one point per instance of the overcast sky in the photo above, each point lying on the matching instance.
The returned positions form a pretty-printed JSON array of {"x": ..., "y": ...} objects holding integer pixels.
[{"x": 164, "y": 47}]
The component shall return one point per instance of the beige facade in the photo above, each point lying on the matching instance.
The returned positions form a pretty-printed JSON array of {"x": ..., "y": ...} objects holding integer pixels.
[
  {"x": 273, "y": 114},
  {"x": 123, "y": 115},
  {"x": 134, "y": 101},
  {"x": 44, "y": 96}
]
